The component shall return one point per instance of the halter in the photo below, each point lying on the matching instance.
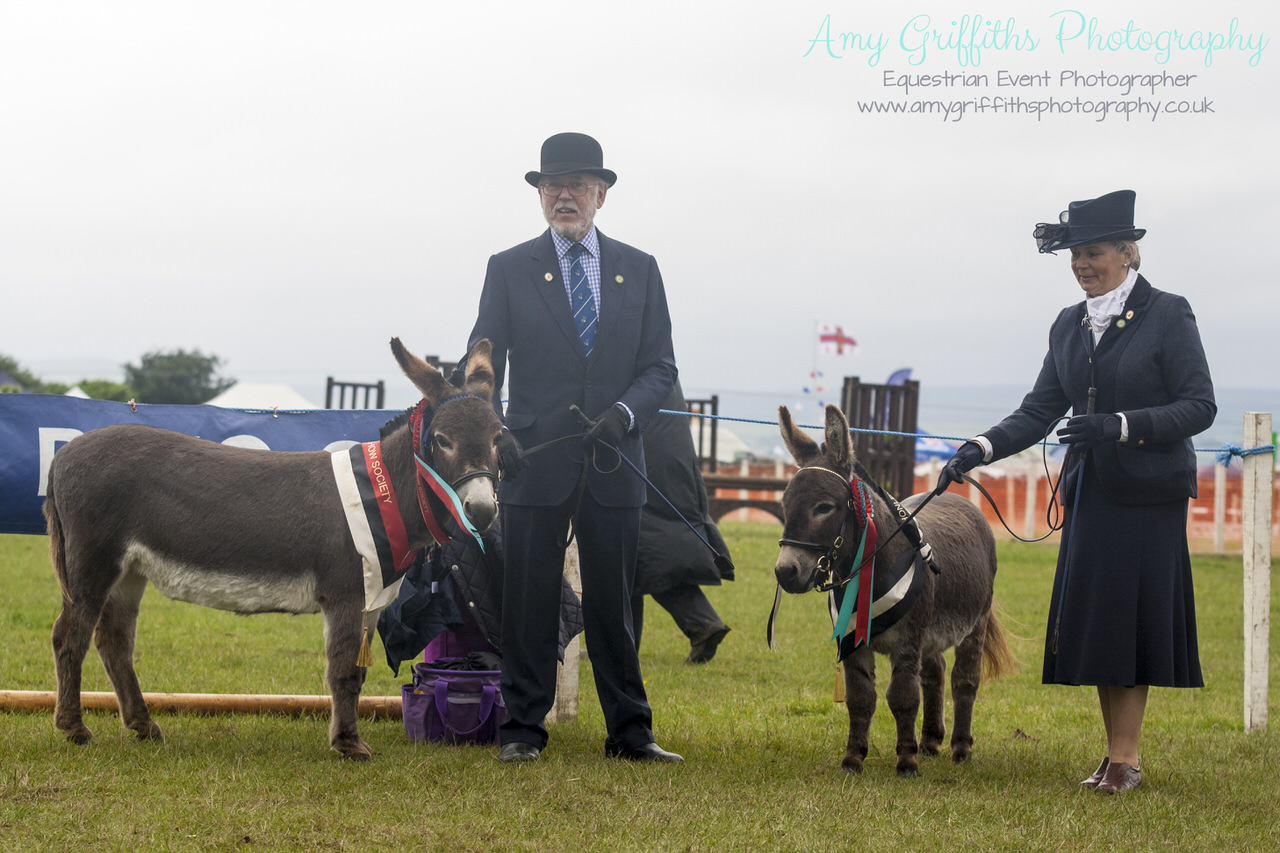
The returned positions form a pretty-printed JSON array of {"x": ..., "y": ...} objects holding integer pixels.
[
  {"x": 862, "y": 512},
  {"x": 861, "y": 508},
  {"x": 426, "y": 476}
]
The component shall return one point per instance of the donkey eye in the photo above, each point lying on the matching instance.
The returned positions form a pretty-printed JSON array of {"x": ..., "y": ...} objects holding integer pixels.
[
  {"x": 824, "y": 509},
  {"x": 443, "y": 443}
]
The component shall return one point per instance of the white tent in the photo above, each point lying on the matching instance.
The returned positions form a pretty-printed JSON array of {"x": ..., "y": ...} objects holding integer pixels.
[
  {"x": 729, "y": 447},
  {"x": 256, "y": 395}
]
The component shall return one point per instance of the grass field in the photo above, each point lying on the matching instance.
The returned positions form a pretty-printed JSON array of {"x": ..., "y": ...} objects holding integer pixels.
[{"x": 761, "y": 737}]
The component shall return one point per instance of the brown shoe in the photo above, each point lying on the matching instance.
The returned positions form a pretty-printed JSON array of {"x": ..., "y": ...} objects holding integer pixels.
[
  {"x": 1119, "y": 778},
  {"x": 1092, "y": 781}
]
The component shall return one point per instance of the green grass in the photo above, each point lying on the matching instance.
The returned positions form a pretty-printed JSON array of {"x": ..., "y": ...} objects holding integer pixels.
[{"x": 761, "y": 737}]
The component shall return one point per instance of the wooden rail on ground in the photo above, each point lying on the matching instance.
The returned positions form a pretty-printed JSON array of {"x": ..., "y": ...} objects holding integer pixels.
[{"x": 385, "y": 707}]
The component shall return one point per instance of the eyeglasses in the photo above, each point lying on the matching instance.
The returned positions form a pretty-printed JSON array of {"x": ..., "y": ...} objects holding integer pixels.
[{"x": 577, "y": 189}]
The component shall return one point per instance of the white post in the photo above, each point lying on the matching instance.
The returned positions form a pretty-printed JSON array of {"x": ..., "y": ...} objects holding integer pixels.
[
  {"x": 1219, "y": 508},
  {"x": 1258, "y": 472},
  {"x": 565, "y": 710},
  {"x": 1033, "y": 482}
]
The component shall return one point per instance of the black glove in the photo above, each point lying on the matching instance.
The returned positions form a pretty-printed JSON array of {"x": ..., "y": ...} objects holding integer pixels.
[
  {"x": 609, "y": 428},
  {"x": 1090, "y": 430},
  {"x": 458, "y": 376},
  {"x": 964, "y": 460},
  {"x": 510, "y": 456}
]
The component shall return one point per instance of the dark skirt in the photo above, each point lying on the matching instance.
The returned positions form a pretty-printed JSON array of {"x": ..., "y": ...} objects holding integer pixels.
[{"x": 1128, "y": 613}]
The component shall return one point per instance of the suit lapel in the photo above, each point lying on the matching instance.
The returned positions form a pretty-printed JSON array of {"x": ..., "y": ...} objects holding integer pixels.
[
  {"x": 546, "y": 275},
  {"x": 1119, "y": 333}
]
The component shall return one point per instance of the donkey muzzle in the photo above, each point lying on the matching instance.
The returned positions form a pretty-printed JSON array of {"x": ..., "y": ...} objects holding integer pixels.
[{"x": 796, "y": 570}]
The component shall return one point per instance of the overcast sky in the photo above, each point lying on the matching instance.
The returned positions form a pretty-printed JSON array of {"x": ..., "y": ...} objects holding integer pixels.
[{"x": 287, "y": 185}]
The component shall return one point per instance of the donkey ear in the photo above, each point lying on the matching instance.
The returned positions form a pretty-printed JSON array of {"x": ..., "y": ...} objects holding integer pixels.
[
  {"x": 802, "y": 448},
  {"x": 479, "y": 370},
  {"x": 839, "y": 445},
  {"x": 425, "y": 378}
]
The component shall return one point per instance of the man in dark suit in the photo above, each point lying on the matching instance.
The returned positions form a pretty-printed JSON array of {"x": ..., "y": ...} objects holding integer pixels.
[{"x": 576, "y": 320}]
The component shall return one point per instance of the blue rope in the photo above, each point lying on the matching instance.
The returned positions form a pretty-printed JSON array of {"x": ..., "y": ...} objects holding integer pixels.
[
  {"x": 1223, "y": 453},
  {"x": 1229, "y": 451}
]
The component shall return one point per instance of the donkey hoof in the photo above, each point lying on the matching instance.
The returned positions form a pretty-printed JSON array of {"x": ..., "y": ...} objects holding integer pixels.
[
  {"x": 930, "y": 747},
  {"x": 80, "y": 738},
  {"x": 356, "y": 750},
  {"x": 150, "y": 731},
  {"x": 910, "y": 772},
  {"x": 960, "y": 756},
  {"x": 851, "y": 765}
]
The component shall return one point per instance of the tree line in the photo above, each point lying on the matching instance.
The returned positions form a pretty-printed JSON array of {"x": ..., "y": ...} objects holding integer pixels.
[{"x": 175, "y": 376}]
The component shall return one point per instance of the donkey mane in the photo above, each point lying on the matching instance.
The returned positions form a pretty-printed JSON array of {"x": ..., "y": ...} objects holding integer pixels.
[{"x": 396, "y": 422}]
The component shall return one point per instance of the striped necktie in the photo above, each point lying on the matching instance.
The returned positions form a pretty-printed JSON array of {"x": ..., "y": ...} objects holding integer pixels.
[{"x": 581, "y": 300}]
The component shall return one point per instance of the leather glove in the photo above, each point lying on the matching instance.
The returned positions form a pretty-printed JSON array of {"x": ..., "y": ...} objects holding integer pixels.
[
  {"x": 1090, "y": 430},
  {"x": 964, "y": 460},
  {"x": 510, "y": 456},
  {"x": 609, "y": 428}
]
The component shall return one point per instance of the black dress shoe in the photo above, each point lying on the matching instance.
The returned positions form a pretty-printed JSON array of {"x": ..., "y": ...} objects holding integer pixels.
[
  {"x": 1092, "y": 781},
  {"x": 703, "y": 646},
  {"x": 648, "y": 752},
  {"x": 518, "y": 751}
]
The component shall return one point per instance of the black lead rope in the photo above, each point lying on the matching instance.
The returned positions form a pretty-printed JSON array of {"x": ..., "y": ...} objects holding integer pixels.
[
  {"x": 906, "y": 521},
  {"x": 722, "y": 562}
]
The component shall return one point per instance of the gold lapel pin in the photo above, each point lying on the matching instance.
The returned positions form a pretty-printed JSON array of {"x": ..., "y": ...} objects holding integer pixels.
[
  {"x": 1128, "y": 315},
  {"x": 618, "y": 279},
  {"x": 549, "y": 277},
  {"x": 1119, "y": 324}
]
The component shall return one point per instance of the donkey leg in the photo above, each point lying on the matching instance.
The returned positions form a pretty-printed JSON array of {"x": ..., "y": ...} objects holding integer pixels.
[
  {"x": 903, "y": 697},
  {"x": 72, "y": 633},
  {"x": 117, "y": 630},
  {"x": 343, "y": 630},
  {"x": 860, "y": 700},
  {"x": 933, "y": 728},
  {"x": 965, "y": 678}
]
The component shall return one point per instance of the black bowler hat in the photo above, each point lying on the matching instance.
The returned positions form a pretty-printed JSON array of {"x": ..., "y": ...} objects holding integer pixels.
[
  {"x": 1107, "y": 217},
  {"x": 566, "y": 153}
]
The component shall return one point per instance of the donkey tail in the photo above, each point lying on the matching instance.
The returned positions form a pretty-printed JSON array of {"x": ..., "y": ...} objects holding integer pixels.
[
  {"x": 997, "y": 658},
  {"x": 57, "y": 545}
]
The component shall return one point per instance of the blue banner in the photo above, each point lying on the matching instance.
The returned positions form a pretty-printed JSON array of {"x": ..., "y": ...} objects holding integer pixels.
[{"x": 34, "y": 426}]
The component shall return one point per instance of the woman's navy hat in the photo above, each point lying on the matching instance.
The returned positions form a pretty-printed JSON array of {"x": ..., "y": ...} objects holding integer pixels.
[
  {"x": 566, "y": 153},
  {"x": 1107, "y": 217}
]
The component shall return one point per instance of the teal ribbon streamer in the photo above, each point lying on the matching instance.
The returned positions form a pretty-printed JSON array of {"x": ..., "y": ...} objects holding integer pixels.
[
  {"x": 851, "y": 588},
  {"x": 446, "y": 493}
]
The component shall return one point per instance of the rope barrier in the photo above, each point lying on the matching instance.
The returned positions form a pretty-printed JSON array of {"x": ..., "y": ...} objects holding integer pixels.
[
  {"x": 1224, "y": 453},
  {"x": 1229, "y": 451}
]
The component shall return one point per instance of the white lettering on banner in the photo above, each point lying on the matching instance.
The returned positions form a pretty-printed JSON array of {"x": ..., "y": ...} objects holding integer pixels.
[
  {"x": 252, "y": 442},
  {"x": 50, "y": 438}
]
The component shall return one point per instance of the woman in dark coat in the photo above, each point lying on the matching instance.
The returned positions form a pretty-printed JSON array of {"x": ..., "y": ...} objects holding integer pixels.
[{"x": 1129, "y": 364}]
